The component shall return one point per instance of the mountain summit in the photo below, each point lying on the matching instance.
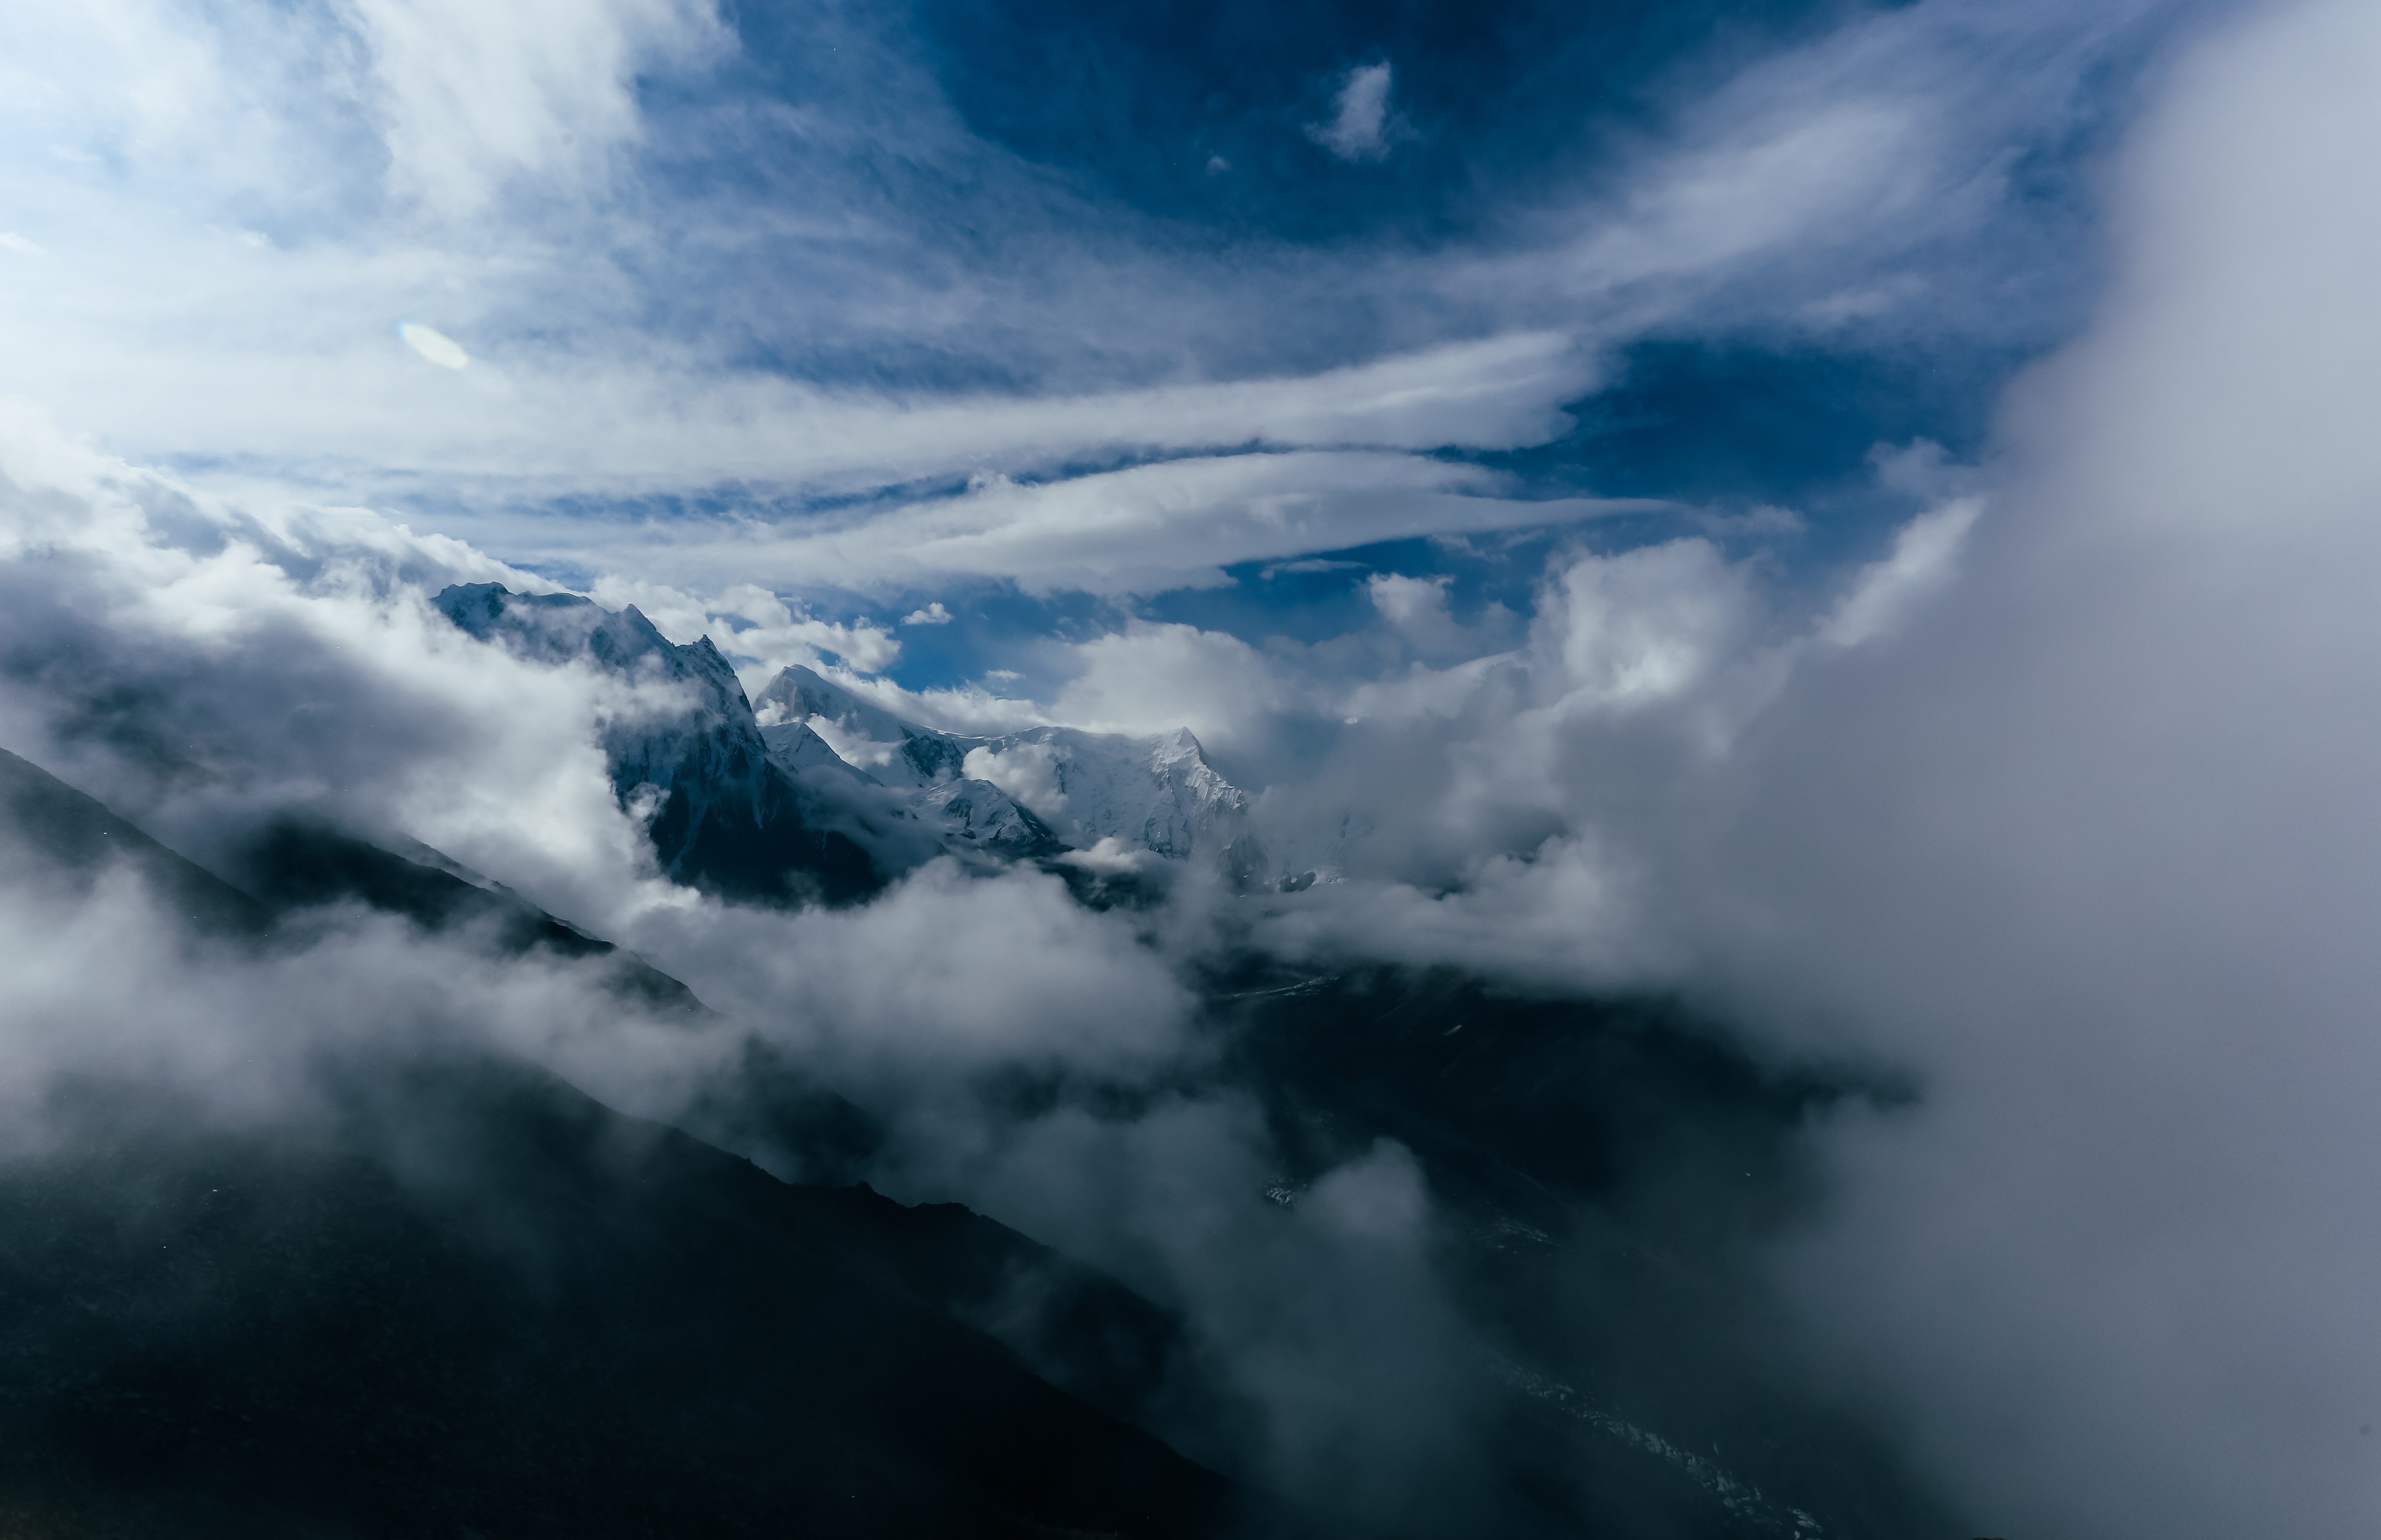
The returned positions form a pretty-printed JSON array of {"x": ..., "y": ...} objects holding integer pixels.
[
  {"x": 819, "y": 792},
  {"x": 723, "y": 817},
  {"x": 1157, "y": 793}
]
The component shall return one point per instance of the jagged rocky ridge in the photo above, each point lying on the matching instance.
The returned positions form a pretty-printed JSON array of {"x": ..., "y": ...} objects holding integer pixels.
[
  {"x": 723, "y": 816},
  {"x": 819, "y": 792},
  {"x": 1158, "y": 793}
]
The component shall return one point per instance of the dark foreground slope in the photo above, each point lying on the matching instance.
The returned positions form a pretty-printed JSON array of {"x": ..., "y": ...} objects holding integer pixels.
[
  {"x": 459, "y": 1298},
  {"x": 1612, "y": 1172},
  {"x": 50, "y": 833},
  {"x": 293, "y": 865},
  {"x": 477, "y": 1302}
]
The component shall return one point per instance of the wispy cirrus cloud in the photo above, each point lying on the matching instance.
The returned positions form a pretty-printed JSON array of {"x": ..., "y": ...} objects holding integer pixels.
[
  {"x": 635, "y": 333},
  {"x": 1143, "y": 530}
]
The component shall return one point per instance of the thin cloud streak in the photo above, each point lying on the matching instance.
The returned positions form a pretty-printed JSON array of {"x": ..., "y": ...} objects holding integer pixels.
[
  {"x": 1149, "y": 529},
  {"x": 264, "y": 356}
]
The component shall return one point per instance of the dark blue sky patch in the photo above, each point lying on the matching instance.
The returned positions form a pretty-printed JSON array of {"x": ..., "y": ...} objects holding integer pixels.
[
  {"x": 1140, "y": 102},
  {"x": 1026, "y": 198},
  {"x": 1318, "y": 597},
  {"x": 1730, "y": 428},
  {"x": 995, "y": 627}
]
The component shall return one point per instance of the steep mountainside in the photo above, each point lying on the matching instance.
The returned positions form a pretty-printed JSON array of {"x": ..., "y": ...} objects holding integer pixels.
[
  {"x": 459, "y": 1296},
  {"x": 819, "y": 792},
  {"x": 1157, "y": 793},
  {"x": 570, "y": 1323},
  {"x": 727, "y": 818},
  {"x": 52, "y": 835},
  {"x": 1610, "y": 1171},
  {"x": 454, "y": 1295}
]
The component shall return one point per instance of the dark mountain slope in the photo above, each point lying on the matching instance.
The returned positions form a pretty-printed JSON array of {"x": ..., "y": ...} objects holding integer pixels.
[
  {"x": 293, "y": 865},
  {"x": 50, "y": 830},
  {"x": 1611, "y": 1170},
  {"x": 726, "y": 818},
  {"x": 483, "y": 1303},
  {"x": 477, "y": 1299}
]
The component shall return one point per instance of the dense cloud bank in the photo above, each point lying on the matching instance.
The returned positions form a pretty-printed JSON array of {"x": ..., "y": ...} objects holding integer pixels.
[
  {"x": 2084, "y": 840},
  {"x": 2060, "y": 811}
]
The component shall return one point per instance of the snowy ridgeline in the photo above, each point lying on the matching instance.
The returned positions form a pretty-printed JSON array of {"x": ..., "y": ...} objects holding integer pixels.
[
  {"x": 820, "y": 780},
  {"x": 1156, "y": 794}
]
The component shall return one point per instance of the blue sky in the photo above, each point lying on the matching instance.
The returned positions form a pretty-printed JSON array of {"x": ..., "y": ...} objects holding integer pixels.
[{"x": 872, "y": 308}]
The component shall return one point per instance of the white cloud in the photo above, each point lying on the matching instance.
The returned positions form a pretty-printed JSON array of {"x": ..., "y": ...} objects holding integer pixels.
[
  {"x": 965, "y": 709},
  {"x": 2091, "y": 841},
  {"x": 1645, "y": 626},
  {"x": 2076, "y": 819},
  {"x": 1834, "y": 167},
  {"x": 1110, "y": 857},
  {"x": 309, "y": 673},
  {"x": 516, "y": 138},
  {"x": 99, "y": 992},
  {"x": 1922, "y": 563},
  {"x": 570, "y": 422},
  {"x": 470, "y": 97},
  {"x": 746, "y": 621},
  {"x": 1152, "y": 678},
  {"x": 1406, "y": 601},
  {"x": 1360, "y": 127},
  {"x": 1028, "y": 772},
  {"x": 1416, "y": 609},
  {"x": 1860, "y": 180},
  {"x": 435, "y": 345},
  {"x": 2068, "y": 812},
  {"x": 288, "y": 661},
  {"x": 932, "y": 615},
  {"x": 1147, "y": 529}
]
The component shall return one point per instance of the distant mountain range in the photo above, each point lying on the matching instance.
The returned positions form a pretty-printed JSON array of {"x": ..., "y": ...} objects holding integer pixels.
[{"x": 814, "y": 791}]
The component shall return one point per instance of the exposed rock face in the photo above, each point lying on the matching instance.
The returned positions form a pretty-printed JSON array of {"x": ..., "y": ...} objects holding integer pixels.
[
  {"x": 890, "y": 751},
  {"x": 1157, "y": 793},
  {"x": 981, "y": 811},
  {"x": 819, "y": 792},
  {"x": 723, "y": 815}
]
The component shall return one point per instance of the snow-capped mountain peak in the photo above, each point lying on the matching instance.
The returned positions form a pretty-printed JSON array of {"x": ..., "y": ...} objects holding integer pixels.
[
  {"x": 864, "y": 736},
  {"x": 1155, "y": 793},
  {"x": 723, "y": 815},
  {"x": 819, "y": 780}
]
